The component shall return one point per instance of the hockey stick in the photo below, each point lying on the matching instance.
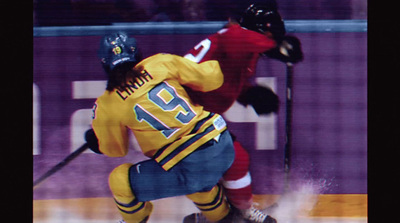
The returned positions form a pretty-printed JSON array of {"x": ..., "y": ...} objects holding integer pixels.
[
  {"x": 61, "y": 164},
  {"x": 288, "y": 122}
]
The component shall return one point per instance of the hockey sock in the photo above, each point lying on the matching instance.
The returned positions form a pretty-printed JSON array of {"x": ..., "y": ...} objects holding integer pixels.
[{"x": 212, "y": 204}]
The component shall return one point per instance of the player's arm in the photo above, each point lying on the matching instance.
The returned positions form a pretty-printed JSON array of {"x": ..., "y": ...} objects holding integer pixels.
[
  {"x": 254, "y": 42},
  {"x": 111, "y": 137},
  {"x": 205, "y": 76}
]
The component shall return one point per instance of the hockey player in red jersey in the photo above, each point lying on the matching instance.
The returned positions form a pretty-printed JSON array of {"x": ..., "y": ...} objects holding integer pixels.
[{"x": 237, "y": 47}]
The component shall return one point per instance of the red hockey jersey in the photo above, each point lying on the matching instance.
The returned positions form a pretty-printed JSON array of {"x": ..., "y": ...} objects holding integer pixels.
[{"x": 237, "y": 50}]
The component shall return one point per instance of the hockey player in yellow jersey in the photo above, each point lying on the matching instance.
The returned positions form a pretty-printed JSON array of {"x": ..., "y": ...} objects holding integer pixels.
[{"x": 189, "y": 148}]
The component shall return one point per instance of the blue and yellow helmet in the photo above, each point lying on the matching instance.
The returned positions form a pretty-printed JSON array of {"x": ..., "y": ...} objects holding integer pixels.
[{"x": 118, "y": 48}]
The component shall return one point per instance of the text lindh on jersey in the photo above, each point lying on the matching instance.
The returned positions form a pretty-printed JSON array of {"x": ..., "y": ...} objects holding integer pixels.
[{"x": 134, "y": 85}]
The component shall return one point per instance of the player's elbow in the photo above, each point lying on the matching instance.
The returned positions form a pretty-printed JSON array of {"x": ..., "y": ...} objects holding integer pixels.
[
  {"x": 217, "y": 83},
  {"x": 114, "y": 150},
  {"x": 116, "y": 154}
]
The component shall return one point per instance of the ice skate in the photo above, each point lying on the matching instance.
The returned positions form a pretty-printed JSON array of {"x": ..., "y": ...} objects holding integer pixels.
[
  {"x": 233, "y": 217},
  {"x": 195, "y": 218},
  {"x": 143, "y": 221},
  {"x": 253, "y": 215},
  {"x": 271, "y": 208}
]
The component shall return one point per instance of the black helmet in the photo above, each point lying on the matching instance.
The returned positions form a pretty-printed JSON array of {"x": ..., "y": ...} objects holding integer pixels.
[
  {"x": 262, "y": 18},
  {"x": 118, "y": 48}
]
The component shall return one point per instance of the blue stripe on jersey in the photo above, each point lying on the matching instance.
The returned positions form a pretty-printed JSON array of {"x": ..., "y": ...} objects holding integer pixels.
[
  {"x": 198, "y": 125},
  {"x": 186, "y": 144},
  {"x": 201, "y": 122}
]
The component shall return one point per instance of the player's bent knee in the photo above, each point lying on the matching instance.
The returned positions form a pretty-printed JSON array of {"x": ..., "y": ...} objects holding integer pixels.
[
  {"x": 119, "y": 183},
  {"x": 128, "y": 205}
]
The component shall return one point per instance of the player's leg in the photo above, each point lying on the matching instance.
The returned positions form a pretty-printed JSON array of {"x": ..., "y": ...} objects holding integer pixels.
[
  {"x": 237, "y": 180},
  {"x": 198, "y": 173},
  {"x": 237, "y": 183},
  {"x": 208, "y": 167},
  {"x": 212, "y": 204},
  {"x": 132, "y": 210}
]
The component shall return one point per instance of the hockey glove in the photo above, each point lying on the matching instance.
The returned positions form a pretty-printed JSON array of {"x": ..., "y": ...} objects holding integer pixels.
[
  {"x": 288, "y": 50},
  {"x": 263, "y": 100},
  {"x": 92, "y": 141}
]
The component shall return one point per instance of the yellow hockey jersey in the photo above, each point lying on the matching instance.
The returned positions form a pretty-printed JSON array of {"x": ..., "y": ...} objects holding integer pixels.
[{"x": 165, "y": 122}]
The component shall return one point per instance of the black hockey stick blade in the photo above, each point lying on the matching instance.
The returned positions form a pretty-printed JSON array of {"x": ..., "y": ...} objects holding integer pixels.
[{"x": 61, "y": 164}]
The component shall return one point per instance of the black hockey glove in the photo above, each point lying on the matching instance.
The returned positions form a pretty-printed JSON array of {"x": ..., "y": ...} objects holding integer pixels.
[
  {"x": 263, "y": 100},
  {"x": 288, "y": 50},
  {"x": 92, "y": 141}
]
